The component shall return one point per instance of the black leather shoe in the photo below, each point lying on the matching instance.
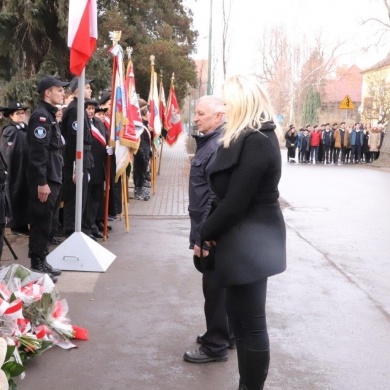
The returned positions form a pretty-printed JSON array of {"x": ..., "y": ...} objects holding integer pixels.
[
  {"x": 56, "y": 241},
  {"x": 92, "y": 237},
  {"x": 97, "y": 234},
  {"x": 101, "y": 226},
  {"x": 198, "y": 356},
  {"x": 50, "y": 270},
  {"x": 199, "y": 338}
]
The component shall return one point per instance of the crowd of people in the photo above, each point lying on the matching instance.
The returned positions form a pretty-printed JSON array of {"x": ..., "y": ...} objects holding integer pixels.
[
  {"x": 38, "y": 155},
  {"x": 336, "y": 144}
]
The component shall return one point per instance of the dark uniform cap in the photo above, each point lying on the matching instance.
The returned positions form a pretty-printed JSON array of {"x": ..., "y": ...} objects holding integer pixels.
[
  {"x": 50, "y": 81},
  {"x": 90, "y": 102},
  {"x": 14, "y": 106},
  {"x": 73, "y": 85},
  {"x": 105, "y": 98},
  {"x": 101, "y": 109}
]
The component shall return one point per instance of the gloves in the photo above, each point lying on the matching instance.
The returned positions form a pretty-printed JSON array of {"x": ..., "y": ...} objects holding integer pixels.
[{"x": 110, "y": 150}]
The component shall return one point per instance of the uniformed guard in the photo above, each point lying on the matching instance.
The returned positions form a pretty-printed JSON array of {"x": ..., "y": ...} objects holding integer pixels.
[
  {"x": 14, "y": 148},
  {"x": 69, "y": 130},
  {"x": 44, "y": 172},
  {"x": 98, "y": 172}
]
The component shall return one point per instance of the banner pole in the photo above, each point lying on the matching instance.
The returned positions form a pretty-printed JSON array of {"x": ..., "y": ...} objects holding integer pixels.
[{"x": 79, "y": 150}]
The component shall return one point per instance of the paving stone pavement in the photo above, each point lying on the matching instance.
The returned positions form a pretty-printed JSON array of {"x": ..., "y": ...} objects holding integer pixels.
[{"x": 171, "y": 190}]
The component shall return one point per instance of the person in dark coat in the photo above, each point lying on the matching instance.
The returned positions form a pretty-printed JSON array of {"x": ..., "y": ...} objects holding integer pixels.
[
  {"x": 97, "y": 173},
  {"x": 246, "y": 224},
  {"x": 327, "y": 142},
  {"x": 142, "y": 157},
  {"x": 69, "y": 131},
  {"x": 14, "y": 148},
  {"x": 209, "y": 119},
  {"x": 291, "y": 138},
  {"x": 304, "y": 150},
  {"x": 44, "y": 172}
]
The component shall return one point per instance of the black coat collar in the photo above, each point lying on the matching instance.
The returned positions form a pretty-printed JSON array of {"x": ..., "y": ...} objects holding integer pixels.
[{"x": 229, "y": 157}]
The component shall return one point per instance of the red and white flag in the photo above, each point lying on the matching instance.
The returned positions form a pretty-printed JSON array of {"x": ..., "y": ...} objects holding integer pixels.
[
  {"x": 163, "y": 106},
  {"x": 174, "y": 125},
  {"x": 154, "y": 120},
  {"x": 131, "y": 131},
  {"x": 82, "y": 33}
]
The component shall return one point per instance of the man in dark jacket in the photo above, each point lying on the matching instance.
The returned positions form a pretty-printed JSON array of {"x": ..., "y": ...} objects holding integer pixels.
[
  {"x": 69, "y": 131},
  {"x": 209, "y": 119},
  {"x": 44, "y": 172}
]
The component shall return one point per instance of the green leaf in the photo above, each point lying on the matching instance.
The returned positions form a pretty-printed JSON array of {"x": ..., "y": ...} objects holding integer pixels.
[
  {"x": 12, "y": 385},
  {"x": 14, "y": 369},
  {"x": 10, "y": 352}
]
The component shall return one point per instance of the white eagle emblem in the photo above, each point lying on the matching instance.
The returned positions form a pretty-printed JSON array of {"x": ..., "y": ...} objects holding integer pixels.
[{"x": 40, "y": 132}]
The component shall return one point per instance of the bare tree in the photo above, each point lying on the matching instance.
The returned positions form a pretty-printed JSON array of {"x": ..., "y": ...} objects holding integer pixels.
[
  {"x": 383, "y": 23},
  {"x": 290, "y": 69}
]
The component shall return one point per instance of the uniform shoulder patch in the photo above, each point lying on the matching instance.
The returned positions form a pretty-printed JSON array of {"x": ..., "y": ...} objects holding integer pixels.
[
  {"x": 40, "y": 132},
  {"x": 74, "y": 125},
  {"x": 42, "y": 119}
]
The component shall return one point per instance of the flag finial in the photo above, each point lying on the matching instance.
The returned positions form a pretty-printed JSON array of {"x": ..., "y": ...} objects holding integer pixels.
[
  {"x": 173, "y": 76},
  {"x": 115, "y": 37},
  {"x": 129, "y": 51},
  {"x": 152, "y": 57}
]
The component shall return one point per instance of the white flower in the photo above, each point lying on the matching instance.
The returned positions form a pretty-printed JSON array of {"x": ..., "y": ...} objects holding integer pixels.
[{"x": 3, "y": 352}]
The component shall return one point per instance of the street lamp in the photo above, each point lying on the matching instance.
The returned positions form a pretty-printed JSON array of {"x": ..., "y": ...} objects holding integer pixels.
[{"x": 209, "y": 57}]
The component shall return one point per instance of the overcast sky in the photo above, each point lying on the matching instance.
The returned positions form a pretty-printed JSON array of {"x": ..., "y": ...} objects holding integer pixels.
[{"x": 339, "y": 20}]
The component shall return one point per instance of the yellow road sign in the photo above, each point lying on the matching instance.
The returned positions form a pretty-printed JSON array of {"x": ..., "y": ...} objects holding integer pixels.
[{"x": 347, "y": 104}]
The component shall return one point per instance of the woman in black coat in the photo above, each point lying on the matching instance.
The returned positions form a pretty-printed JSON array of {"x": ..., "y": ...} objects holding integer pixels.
[
  {"x": 14, "y": 148},
  {"x": 246, "y": 225}
]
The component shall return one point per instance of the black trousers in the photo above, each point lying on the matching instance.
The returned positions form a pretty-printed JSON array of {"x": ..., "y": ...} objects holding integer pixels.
[
  {"x": 41, "y": 218},
  {"x": 140, "y": 168},
  {"x": 356, "y": 153},
  {"x": 69, "y": 196},
  {"x": 95, "y": 197},
  {"x": 246, "y": 312},
  {"x": 2, "y": 229},
  {"x": 216, "y": 340},
  {"x": 336, "y": 155}
]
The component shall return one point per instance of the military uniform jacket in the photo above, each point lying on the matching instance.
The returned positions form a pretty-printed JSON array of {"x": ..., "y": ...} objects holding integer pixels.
[
  {"x": 45, "y": 145},
  {"x": 15, "y": 150},
  {"x": 69, "y": 131}
]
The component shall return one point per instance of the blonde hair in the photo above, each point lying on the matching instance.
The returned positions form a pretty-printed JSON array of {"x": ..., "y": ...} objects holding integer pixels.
[{"x": 247, "y": 106}]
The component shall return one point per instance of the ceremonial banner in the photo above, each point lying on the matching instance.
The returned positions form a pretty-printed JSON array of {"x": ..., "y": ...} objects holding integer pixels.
[
  {"x": 131, "y": 132},
  {"x": 119, "y": 110},
  {"x": 174, "y": 125},
  {"x": 82, "y": 33},
  {"x": 154, "y": 120},
  {"x": 163, "y": 109}
]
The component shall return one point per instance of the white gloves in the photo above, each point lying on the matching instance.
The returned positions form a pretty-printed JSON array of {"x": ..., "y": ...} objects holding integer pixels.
[{"x": 110, "y": 150}]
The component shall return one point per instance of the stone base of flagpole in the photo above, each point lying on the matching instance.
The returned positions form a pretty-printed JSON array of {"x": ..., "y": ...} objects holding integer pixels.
[{"x": 80, "y": 253}]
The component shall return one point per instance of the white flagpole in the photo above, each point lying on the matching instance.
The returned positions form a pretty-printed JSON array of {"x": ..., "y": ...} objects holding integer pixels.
[{"x": 79, "y": 150}]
